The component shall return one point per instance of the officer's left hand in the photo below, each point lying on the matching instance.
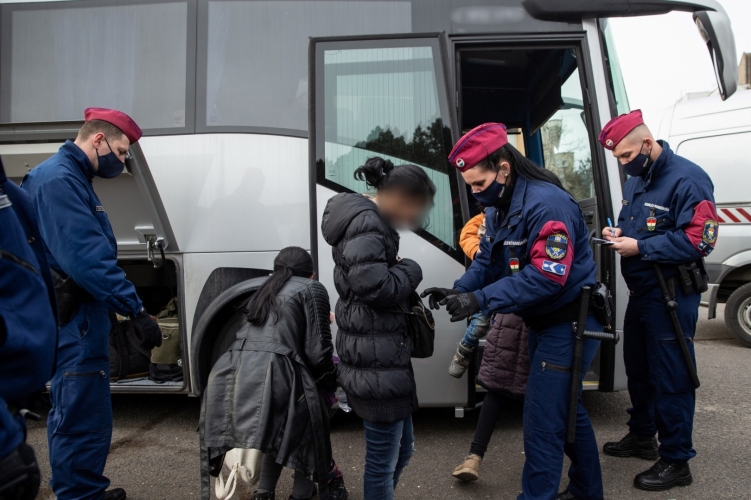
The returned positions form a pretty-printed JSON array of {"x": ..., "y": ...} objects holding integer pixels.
[
  {"x": 149, "y": 330},
  {"x": 627, "y": 247},
  {"x": 461, "y": 306}
]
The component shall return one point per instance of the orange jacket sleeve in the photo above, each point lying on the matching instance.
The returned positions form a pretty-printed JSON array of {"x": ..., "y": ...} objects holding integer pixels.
[{"x": 470, "y": 237}]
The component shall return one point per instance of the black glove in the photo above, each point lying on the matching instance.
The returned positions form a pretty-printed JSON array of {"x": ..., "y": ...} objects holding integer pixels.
[
  {"x": 151, "y": 335},
  {"x": 461, "y": 306},
  {"x": 438, "y": 295}
]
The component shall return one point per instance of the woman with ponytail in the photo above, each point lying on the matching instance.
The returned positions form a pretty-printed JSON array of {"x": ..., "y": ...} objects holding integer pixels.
[
  {"x": 533, "y": 262},
  {"x": 372, "y": 342},
  {"x": 264, "y": 392}
]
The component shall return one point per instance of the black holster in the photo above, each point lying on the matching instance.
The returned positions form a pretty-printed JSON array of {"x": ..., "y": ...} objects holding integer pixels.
[
  {"x": 693, "y": 277},
  {"x": 70, "y": 295}
]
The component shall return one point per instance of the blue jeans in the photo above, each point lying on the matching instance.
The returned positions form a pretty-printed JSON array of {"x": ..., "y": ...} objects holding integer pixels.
[
  {"x": 477, "y": 329},
  {"x": 551, "y": 352},
  {"x": 388, "y": 448},
  {"x": 662, "y": 395}
]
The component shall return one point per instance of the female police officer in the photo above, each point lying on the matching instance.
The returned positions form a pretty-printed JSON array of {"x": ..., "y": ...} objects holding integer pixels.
[{"x": 533, "y": 261}]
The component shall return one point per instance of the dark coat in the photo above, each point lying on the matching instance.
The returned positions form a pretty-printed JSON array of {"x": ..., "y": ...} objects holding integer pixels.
[
  {"x": 262, "y": 392},
  {"x": 375, "y": 349},
  {"x": 505, "y": 362}
]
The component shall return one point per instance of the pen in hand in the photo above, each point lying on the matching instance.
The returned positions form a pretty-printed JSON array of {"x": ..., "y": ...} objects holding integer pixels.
[{"x": 612, "y": 230}]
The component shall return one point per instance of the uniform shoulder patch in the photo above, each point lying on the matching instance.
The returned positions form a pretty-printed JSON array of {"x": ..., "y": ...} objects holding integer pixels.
[
  {"x": 710, "y": 231},
  {"x": 556, "y": 246},
  {"x": 554, "y": 267}
]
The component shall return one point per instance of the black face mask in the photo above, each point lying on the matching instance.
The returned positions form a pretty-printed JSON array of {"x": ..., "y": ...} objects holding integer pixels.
[
  {"x": 110, "y": 165},
  {"x": 639, "y": 164}
]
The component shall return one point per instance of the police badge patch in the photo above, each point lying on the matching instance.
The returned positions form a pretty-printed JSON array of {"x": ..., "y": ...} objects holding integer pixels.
[
  {"x": 556, "y": 245},
  {"x": 710, "y": 232}
]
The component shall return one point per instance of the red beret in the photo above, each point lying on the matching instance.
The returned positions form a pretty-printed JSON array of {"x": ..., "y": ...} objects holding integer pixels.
[
  {"x": 619, "y": 127},
  {"x": 478, "y": 144},
  {"x": 117, "y": 118}
]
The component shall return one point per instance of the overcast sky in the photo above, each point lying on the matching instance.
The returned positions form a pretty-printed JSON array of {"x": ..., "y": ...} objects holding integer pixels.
[{"x": 663, "y": 57}]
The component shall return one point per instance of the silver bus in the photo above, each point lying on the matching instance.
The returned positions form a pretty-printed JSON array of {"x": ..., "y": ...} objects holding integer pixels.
[{"x": 256, "y": 112}]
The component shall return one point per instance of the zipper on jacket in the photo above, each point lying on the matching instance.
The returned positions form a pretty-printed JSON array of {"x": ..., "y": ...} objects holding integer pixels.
[
  {"x": 18, "y": 261},
  {"x": 647, "y": 227},
  {"x": 85, "y": 374},
  {"x": 556, "y": 368}
]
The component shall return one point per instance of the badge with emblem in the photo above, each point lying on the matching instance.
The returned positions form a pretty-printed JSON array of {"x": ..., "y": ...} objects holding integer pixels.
[
  {"x": 513, "y": 264},
  {"x": 651, "y": 223},
  {"x": 710, "y": 231},
  {"x": 556, "y": 245},
  {"x": 460, "y": 163}
]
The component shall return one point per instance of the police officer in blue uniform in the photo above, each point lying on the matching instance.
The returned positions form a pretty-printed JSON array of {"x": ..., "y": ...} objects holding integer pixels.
[
  {"x": 28, "y": 333},
  {"x": 82, "y": 252},
  {"x": 668, "y": 218},
  {"x": 533, "y": 261}
]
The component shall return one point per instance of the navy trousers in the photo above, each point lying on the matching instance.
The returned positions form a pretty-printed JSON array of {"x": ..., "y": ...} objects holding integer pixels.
[
  {"x": 551, "y": 353},
  {"x": 79, "y": 427},
  {"x": 662, "y": 396}
]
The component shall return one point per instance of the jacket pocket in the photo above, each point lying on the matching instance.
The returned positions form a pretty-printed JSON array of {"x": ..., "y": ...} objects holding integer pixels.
[
  {"x": 84, "y": 401},
  {"x": 14, "y": 259}
]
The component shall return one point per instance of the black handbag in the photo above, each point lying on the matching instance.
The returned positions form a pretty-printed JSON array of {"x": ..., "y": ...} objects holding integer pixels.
[{"x": 420, "y": 326}]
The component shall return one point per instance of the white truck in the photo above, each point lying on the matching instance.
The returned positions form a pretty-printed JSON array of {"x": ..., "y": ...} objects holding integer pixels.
[{"x": 713, "y": 133}]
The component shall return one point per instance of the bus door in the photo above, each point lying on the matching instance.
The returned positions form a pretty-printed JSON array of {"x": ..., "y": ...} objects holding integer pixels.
[
  {"x": 542, "y": 91},
  {"x": 389, "y": 97}
]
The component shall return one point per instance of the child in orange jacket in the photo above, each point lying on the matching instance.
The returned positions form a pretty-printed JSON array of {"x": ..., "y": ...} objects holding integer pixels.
[{"x": 469, "y": 240}]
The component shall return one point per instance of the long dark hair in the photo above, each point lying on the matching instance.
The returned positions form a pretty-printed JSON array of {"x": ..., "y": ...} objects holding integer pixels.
[
  {"x": 291, "y": 261},
  {"x": 381, "y": 174},
  {"x": 522, "y": 166}
]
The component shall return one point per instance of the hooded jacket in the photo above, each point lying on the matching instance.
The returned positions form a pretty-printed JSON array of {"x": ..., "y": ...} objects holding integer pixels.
[
  {"x": 262, "y": 392},
  {"x": 375, "y": 370}
]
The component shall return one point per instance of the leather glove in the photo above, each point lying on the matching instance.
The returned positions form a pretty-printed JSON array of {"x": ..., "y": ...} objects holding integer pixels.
[
  {"x": 461, "y": 306},
  {"x": 149, "y": 330},
  {"x": 438, "y": 295}
]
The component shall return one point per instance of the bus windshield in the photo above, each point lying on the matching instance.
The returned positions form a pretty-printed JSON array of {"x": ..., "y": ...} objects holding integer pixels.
[{"x": 615, "y": 76}]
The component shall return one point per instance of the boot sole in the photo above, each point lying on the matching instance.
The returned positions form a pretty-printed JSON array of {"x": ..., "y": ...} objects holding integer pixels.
[
  {"x": 467, "y": 475},
  {"x": 643, "y": 454},
  {"x": 683, "y": 481}
]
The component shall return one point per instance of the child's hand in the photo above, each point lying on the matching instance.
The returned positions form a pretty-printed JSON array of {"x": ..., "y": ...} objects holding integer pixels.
[{"x": 331, "y": 317}]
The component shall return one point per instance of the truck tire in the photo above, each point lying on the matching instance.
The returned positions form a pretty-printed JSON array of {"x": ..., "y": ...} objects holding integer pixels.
[
  {"x": 227, "y": 334},
  {"x": 738, "y": 314}
]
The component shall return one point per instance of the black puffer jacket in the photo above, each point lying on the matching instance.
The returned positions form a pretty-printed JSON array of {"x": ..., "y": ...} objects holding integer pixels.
[
  {"x": 262, "y": 392},
  {"x": 375, "y": 350}
]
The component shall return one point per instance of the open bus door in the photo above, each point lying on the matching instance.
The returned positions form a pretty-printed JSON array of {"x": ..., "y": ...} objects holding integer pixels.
[{"x": 389, "y": 96}]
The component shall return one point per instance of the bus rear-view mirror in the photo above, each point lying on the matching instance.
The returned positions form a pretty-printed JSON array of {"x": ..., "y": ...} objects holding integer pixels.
[{"x": 715, "y": 30}]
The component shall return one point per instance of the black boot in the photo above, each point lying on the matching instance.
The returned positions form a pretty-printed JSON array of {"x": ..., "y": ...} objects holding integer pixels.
[
  {"x": 266, "y": 495},
  {"x": 337, "y": 491},
  {"x": 633, "y": 445},
  {"x": 663, "y": 476},
  {"x": 114, "y": 494}
]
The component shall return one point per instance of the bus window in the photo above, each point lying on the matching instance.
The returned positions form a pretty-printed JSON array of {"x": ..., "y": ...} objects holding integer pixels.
[
  {"x": 59, "y": 58},
  {"x": 615, "y": 76},
  {"x": 565, "y": 142},
  {"x": 385, "y": 102},
  {"x": 256, "y": 62}
]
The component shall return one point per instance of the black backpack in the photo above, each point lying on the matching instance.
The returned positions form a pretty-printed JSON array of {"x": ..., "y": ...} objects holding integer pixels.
[{"x": 127, "y": 358}]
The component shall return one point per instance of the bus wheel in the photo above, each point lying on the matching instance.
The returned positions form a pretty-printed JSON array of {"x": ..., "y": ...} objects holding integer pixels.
[
  {"x": 738, "y": 314},
  {"x": 227, "y": 334}
]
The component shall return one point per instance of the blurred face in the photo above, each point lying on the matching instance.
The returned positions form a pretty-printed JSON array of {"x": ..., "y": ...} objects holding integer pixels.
[
  {"x": 479, "y": 178},
  {"x": 403, "y": 210}
]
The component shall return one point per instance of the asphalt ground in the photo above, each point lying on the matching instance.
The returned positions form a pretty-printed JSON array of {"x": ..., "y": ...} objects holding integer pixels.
[{"x": 154, "y": 453}]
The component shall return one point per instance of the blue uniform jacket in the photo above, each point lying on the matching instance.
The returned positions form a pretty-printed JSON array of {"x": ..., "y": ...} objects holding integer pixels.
[
  {"x": 536, "y": 259},
  {"x": 671, "y": 212},
  {"x": 76, "y": 231},
  {"x": 28, "y": 323}
]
